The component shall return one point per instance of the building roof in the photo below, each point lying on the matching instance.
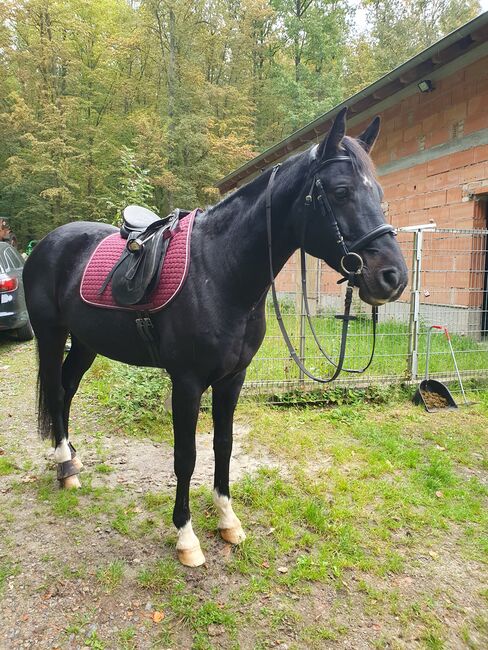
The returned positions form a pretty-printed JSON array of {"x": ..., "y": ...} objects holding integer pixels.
[{"x": 449, "y": 48}]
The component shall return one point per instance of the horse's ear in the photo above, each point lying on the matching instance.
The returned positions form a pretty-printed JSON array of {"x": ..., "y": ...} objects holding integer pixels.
[
  {"x": 330, "y": 145},
  {"x": 369, "y": 135}
]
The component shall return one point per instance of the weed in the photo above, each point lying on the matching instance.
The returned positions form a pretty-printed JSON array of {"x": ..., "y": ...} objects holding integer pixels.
[
  {"x": 111, "y": 575},
  {"x": 127, "y": 638}
]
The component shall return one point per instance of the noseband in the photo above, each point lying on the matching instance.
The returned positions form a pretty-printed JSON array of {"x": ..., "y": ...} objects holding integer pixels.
[{"x": 352, "y": 265}]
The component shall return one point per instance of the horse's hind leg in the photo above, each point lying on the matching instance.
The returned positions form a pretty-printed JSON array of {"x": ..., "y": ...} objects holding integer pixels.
[
  {"x": 50, "y": 345},
  {"x": 224, "y": 400},
  {"x": 78, "y": 361},
  {"x": 186, "y": 398}
]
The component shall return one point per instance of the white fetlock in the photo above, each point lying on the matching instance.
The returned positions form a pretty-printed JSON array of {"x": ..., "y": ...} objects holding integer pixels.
[
  {"x": 188, "y": 547},
  {"x": 229, "y": 525},
  {"x": 62, "y": 453}
]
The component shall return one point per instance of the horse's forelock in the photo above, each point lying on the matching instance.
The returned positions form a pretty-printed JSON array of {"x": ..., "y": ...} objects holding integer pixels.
[{"x": 361, "y": 161}]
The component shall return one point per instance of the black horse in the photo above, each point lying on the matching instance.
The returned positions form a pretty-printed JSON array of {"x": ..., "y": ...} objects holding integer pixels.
[{"x": 211, "y": 331}]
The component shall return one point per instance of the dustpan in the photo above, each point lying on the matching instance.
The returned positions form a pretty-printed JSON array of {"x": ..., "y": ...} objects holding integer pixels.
[{"x": 433, "y": 394}]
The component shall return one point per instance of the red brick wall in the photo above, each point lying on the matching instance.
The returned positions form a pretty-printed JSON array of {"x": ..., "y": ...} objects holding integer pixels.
[{"x": 434, "y": 190}]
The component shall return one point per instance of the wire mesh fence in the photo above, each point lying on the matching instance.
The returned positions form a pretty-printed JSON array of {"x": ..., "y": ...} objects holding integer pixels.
[{"x": 448, "y": 285}]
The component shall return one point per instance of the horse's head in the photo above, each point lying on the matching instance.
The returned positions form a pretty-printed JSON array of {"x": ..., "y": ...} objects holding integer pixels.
[{"x": 345, "y": 201}]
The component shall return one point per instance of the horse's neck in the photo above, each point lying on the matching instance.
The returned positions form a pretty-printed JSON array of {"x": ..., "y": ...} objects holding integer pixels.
[{"x": 240, "y": 239}]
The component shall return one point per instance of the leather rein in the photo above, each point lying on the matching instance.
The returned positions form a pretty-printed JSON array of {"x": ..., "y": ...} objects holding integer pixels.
[{"x": 351, "y": 264}]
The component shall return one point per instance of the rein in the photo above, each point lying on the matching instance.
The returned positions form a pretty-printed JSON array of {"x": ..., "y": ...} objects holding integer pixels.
[{"x": 351, "y": 264}]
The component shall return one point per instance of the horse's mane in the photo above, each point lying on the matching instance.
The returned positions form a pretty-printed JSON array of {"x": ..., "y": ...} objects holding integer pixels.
[{"x": 362, "y": 164}]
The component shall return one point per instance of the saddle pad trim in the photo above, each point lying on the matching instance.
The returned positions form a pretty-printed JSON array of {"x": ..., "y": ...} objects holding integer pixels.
[{"x": 149, "y": 306}]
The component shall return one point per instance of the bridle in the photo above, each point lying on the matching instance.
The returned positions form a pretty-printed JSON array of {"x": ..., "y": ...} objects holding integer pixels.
[{"x": 352, "y": 265}]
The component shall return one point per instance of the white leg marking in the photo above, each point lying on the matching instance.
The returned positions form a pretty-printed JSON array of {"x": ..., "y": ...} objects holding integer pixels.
[
  {"x": 62, "y": 452},
  {"x": 188, "y": 547},
  {"x": 186, "y": 537},
  {"x": 229, "y": 525}
]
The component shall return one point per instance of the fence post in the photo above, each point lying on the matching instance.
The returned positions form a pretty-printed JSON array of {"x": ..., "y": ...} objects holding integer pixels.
[
  {"x": 414, "y": 317},
  {"x": 302, "y": 338},
  {"x": 413, "y": 323}
]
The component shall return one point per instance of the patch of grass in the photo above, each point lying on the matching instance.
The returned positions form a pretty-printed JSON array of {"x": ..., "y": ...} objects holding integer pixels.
[
  {"x": 126, "y": 638},
  {"x": 314, "y": 635},
  {"x": 7, "y": 569},
  {"x": 103, "y": 468},
  {"x": 7, "y": 466},
  {"x": 161, "y": 576},
  {"x": 63, "y": 503},
  {"x": 74, "y": 628},
  {"x": 111, "y": 575},
  {"x": 123, "y": 521},
  {"x": 94, "y": 642},
  {"x": 133, "y": 396},
  {"x": 198, "y": 618}
]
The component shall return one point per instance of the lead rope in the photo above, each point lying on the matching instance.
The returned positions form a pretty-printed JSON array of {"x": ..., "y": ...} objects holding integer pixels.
[
  {"x": 374, "y": 318},
  {"x": 347, "y": 304}
]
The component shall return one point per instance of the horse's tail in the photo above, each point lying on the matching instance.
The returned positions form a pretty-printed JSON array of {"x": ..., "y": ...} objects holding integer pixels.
[{"x": 44, "y": 422}]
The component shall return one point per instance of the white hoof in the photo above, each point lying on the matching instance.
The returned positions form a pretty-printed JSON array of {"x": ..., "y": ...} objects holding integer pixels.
[
  {"x": 71, "y": 483},
  {"x": 191, "y": 556},
  {"x": 188, "y": 547},
  {"x": 229, "y": 525},
  {"x": 233, "y": 535}
]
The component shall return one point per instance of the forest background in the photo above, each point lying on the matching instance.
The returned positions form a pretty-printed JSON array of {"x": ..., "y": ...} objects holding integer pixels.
[{"x": 108, "y": 102}]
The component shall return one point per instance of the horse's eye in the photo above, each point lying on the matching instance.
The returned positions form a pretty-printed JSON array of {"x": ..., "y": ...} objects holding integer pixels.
[{"x": 341, "y": 193}]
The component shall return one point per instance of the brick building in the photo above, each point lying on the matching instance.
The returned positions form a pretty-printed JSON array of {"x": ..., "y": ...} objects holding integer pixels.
[{"x": 431, "y": 158}]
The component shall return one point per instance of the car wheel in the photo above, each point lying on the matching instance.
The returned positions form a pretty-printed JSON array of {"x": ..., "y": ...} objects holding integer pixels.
[{"x": 25, "y": 333}]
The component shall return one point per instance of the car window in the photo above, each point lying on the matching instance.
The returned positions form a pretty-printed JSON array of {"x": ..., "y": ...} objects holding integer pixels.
[
  {"x": 3, "y": 261},
  {"x": 13, "y": 259}
]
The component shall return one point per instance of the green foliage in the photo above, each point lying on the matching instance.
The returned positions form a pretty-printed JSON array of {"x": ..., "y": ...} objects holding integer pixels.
[
  {"x": 107, "y": 102},
  {"x": 135, "y": 395}
]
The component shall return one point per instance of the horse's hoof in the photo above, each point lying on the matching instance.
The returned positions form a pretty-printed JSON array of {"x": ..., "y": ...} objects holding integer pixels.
[
  {"x": 71, "y": 483},
  {"x": 191, "y": 556},
  {"x": 233, "y": 535}
]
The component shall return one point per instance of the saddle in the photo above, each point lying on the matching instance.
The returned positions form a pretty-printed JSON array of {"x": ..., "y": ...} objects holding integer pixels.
[{"x": 136, "y": 273}]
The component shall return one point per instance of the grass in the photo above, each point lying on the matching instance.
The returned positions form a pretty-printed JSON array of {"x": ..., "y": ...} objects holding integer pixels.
[
  {"x": 372, "y": 525},
  {"x": 111, "y": 575},
  {"x": 272, "y": 363},
  {"x": 7, "y": 466}
]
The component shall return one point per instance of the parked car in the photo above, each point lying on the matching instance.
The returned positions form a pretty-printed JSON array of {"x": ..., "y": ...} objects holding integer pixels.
[{"x": 13, "y": 311}]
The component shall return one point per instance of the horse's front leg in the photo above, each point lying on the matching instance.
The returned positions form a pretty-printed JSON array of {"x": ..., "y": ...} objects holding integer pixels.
[
  {"x": 224, "y": 400},
  {"x": 186, "y": 398}
]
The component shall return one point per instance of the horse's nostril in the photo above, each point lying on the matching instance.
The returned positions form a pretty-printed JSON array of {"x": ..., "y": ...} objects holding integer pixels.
[{"x": 390, "y": 278}]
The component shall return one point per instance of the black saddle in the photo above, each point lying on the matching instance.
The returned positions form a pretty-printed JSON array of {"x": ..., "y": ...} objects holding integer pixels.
[{"x": 136, "y": 273}]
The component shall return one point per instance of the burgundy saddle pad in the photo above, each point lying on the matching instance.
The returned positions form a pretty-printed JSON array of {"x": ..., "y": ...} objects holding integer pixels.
[{"x": 172, "y": 278}]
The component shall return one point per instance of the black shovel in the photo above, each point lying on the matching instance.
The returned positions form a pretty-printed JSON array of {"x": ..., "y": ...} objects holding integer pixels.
[{"x": 433, "y": 394}]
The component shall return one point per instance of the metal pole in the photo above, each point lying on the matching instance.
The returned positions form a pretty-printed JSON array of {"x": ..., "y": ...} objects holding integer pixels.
[
  {"x": 413, "y": 333},
  {"x": 302, "y": 337},
  {"x": 414, "y": 324}
]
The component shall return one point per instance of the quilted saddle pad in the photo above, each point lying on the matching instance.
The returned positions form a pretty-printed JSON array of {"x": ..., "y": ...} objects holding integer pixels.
[{"x": 172, "y": 278}]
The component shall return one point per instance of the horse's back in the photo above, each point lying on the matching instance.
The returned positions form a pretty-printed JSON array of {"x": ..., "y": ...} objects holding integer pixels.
[{"x": 58, "y": 261}]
